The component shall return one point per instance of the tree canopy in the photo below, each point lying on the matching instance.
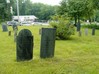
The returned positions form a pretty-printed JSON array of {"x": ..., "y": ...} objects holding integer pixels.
[
  {"x": 77, "y": 8},
  {"x": 72, "y": 8},
  {"x": 26, "y": 7},
  {"x": 5, "y": 10},
  {"x": 42, "y": 11}
]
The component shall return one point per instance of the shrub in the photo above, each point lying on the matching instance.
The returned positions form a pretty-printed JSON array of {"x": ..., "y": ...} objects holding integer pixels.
[
  {"x": 91, "y": 26},
  {"x": 64, "y": 28}
]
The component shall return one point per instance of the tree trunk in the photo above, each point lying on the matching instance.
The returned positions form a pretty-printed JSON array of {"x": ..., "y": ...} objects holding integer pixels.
[
  {"x": 78, "y": 23},
  {"x": 75, "y": 18},
  {"x": 89, "y": 19}
]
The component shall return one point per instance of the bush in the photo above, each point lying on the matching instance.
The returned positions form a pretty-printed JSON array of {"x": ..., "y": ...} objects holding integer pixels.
[
  {"x": 64, "y": 28},
  {"x": 91, "y": 26}
]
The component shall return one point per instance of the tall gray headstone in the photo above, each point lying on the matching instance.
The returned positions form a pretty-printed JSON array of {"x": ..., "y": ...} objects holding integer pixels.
[
  {"x": 86, "y": 31},
  {"x": 48, "y": 36}
]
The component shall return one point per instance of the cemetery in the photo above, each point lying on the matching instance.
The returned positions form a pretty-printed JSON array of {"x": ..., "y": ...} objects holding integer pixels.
[
  {"x": 39, "y": 37},
  {"x": 79, "y": 54}
]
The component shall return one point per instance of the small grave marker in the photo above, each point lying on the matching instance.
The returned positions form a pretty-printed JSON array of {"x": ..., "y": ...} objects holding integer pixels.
[
  {"x": 9, "y": 33},
  {"x": 14, "y": 26},
  {"x": 4, "y": 27},
  {"x": 79, "y": 33},
  {"x": 86, "y": 31},
  {"x": 93, "y": 31},
  {"x": 15, "y": 34}
]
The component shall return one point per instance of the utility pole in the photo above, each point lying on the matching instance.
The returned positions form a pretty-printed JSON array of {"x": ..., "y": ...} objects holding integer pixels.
[
  {"x": 18, "y": 9},
  {"x": 8, "y": 9}
]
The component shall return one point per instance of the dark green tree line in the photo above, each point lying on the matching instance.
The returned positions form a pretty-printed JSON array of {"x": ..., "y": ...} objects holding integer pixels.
[
  {"x": 42, "y": 11},
  {"x": 26, "y": 7},
  {"x": 5, "y": 13},
  {"x": 77, "y": 9}
]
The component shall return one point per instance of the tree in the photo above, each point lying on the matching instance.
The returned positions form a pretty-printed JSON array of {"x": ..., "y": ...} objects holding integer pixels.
[
  {"x": 97, "y": 16},
  {"x": 64, "y": 29},
  {"x": 77, "y": 8},
  {"x": 2, "y": 9},
  {"x": 5, "y": 10},
  {"x": 46, "y": 12},
  {"x": 96, "y": 4},
  {"x": 42, "y": 11},
  {"x": 25, "y": 7}
]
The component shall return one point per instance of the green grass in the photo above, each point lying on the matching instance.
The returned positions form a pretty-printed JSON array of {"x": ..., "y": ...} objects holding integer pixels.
[{"x": 79, "y": 55}]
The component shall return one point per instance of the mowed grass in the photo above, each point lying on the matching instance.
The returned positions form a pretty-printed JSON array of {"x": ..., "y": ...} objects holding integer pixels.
[{"x": 79, "y": 55}]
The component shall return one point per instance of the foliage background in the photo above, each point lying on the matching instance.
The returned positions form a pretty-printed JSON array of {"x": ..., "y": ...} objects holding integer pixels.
[{"x": 64, "y": 29}]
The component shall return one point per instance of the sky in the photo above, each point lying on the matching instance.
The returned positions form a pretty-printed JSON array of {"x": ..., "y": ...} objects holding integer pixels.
[{"x": 49, "y": 2}]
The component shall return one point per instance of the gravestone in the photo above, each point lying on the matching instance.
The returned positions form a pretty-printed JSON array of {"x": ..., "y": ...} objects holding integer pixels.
[
  {"x": 79, "y": 33},
  {"x": 78, "y": 26},
  {"x": 14, "y": 26},
  {"x": 86, "y": 31},
  {"x": 93, "y": 31},
  {"x": 24, "y": 45},
  {"x": 15, "y": 34},
  {"x": 9, "y": 33},
  {"x": 4, "y": 27},
  {"x": 47, "y": 42}
]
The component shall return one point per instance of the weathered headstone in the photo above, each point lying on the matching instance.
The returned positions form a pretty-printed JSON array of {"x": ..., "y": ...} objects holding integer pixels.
[
  {"x": 4, "y": 27},
  {"x": 86, "y": 31},
  {"x": 15, "y": 34},
  {"x": 14, "y": 26},
  {"x": 78, "y": 26},
  {"x": 47, "y": 42},
  {"x": 9, "y": 33},
  {"x": 79, "y": 33},
  {"x": 24, "y": 45},
  {"x": 93, "y": 31}
]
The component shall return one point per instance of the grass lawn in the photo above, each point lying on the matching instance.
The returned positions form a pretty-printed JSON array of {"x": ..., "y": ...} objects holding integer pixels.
[{"x": 79, "y": 55}]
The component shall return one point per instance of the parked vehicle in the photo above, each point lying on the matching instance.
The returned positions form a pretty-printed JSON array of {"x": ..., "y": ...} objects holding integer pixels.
[
  {"x": 10, "y": 23},
  {"x": 26, "y": 23}
]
